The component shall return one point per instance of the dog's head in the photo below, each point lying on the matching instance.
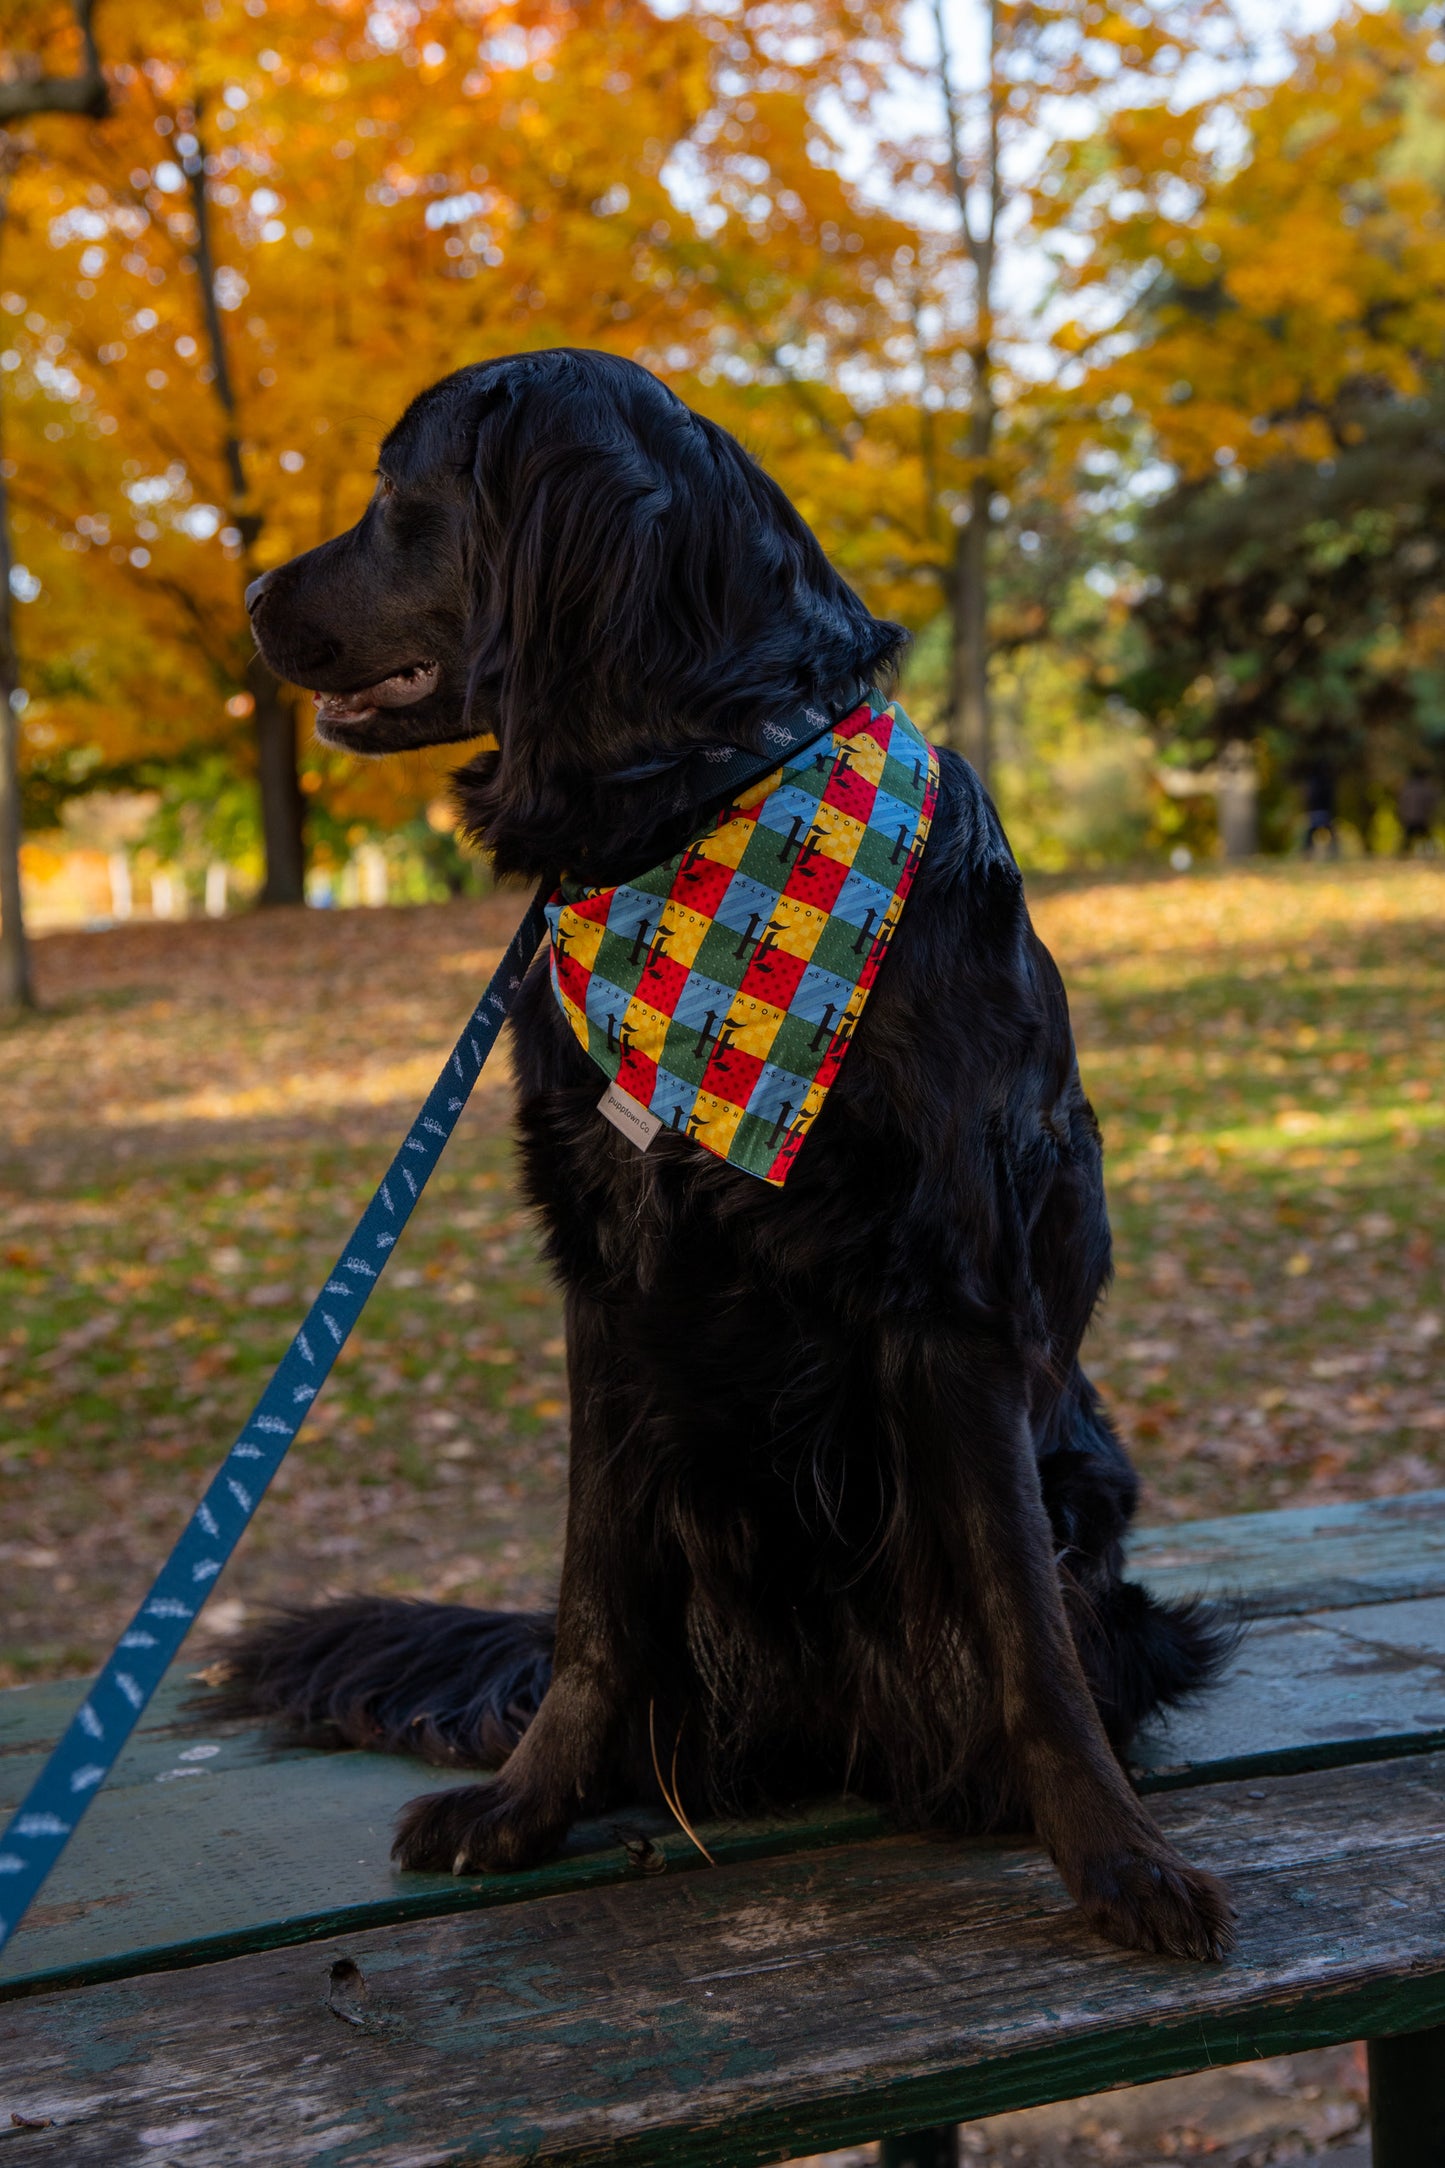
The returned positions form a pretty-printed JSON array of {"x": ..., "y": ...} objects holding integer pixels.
[{"x": 560, "y": 555}]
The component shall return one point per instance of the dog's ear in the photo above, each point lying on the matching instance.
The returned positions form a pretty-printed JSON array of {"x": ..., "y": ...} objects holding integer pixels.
[
  {"x": 570, "y": 510},
  {"x": 640, "y": 588}
]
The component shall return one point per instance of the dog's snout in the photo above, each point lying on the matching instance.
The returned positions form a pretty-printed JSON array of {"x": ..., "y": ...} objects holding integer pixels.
[{"x": 256, "y": 591}]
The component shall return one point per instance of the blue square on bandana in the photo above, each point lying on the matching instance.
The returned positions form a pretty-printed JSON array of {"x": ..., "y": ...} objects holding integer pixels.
[
  {"x": 817, "y": 992},
  {"x": 700, "y": 996},
  {"x": 787, "y": 805},
  {"x": 858, "y": 896},
  {"x": 889, "y": 814},
  {"x": 603, "y": 1001},
  {"x": 746, "y": 899},
  {"x": 673, "y": 1099},
  {"x": 631, "y": 908},
  {"x": 777, "y": 1096}
]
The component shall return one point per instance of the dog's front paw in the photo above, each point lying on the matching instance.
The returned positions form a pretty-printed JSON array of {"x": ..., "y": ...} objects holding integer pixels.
[
  {"x": 1145, "y": 1897},
  {"x": 475, "y": 1829}
]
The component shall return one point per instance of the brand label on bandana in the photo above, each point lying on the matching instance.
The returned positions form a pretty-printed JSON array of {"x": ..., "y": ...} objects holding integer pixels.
[
  {"x": 719, "y": 991},
  {"x": 636, "y": 1124}
]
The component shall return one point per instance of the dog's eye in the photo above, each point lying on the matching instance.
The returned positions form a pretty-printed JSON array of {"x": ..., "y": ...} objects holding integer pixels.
[{"x": 385, "y": 486}]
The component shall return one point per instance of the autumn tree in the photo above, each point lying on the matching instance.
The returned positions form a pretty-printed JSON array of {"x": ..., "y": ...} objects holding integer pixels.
[
  {"x": 289, "y": 225},
  {"x": 900, "y": 186},
  {"x": 294, "y": 220},
  {"x": 36, "y": 82},
  {"x": 1280, "y": 357}
]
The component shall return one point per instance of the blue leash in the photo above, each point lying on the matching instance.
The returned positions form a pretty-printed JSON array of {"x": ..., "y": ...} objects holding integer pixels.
[{"x": 45, "y": 1821}]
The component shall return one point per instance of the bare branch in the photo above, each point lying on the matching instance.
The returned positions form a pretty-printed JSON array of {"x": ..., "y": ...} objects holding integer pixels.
[
  {"x": 956, "y": 172},
  {"x": 194, "y": 168},
  {"x": 86, "y": 93}
]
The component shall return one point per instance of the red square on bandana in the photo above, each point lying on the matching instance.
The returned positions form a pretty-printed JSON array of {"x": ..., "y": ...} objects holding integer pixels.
[
  {"x": 702, "y": 885},
  {"x": 879, "y": 726},
  {"x": 661, "y": 983},
  {"x": 816, "y": 880},
  {"x": 574, "y": 977},
  {"x": 773, "y": 977},
  {"x": 731, "y": 1075},
  {"x": 637, "y": 1074},
  {"x": 851, "y": 792},
  {"x": 594, "y": 907}
]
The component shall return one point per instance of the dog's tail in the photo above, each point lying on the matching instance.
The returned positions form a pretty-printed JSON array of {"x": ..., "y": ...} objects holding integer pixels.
[
  {"x": 1142, "y": 1655},
  {"x": 450, "y": 1685}
]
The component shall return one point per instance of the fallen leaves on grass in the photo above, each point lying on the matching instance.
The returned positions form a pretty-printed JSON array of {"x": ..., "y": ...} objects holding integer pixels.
[
  {"x": 198, "y": 1116},
  {"x": 1264, "y": 1050}
]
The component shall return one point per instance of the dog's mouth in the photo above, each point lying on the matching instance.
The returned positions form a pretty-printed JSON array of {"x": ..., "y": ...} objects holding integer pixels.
[{"x": 401, "y": 690}]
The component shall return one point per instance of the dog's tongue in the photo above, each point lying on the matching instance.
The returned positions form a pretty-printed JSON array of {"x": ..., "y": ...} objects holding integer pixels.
[{"x": 413, "y": 683}]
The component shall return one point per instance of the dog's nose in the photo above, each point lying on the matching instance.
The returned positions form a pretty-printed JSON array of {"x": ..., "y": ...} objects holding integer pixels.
[{"x": 257, "y": 589}]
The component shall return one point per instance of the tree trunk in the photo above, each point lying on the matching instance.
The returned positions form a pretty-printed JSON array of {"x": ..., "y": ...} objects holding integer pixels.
[
  {"x": 968, "y": 600},
  {"x": 16, "y": 989},
  {"x": 972, "y": 719},
  {"x": 85, "y": 93},
  {"x": 283, "y": 808}
]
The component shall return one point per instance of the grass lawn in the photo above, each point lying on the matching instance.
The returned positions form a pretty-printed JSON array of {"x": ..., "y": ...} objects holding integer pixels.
[{"x": 191, "y": 1126}]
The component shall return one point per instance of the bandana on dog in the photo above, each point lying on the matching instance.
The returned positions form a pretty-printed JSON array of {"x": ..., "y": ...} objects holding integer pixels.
[{"x": 720, "y": 991}]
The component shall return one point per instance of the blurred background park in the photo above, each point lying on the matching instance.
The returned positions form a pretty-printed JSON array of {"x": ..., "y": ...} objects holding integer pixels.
[
  {"x": 1101, "y": 341},
  {"x": 1101, "y": 344}
]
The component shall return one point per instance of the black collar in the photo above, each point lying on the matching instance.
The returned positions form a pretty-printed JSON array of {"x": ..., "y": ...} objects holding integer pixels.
[{"x": 716, "y": 772}]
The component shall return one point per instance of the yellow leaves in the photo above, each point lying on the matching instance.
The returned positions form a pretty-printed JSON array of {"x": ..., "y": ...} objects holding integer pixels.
[{"x": 1312, "y": 259}]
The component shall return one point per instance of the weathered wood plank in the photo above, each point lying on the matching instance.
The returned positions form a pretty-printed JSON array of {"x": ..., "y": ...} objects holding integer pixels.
[
  {"x": 206, "y": 1844},
  {"x": 266, "y": 1854},
  {"x": 1361, "y": 1684},
  {"x": 746, "y": 2013},
  {"x": 1302, "y": 1558}
]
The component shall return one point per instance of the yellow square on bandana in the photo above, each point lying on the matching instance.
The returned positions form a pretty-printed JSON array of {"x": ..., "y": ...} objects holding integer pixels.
[
  {"x": 681, "y": 933},
  {"x": 866, "y": 757},
  {"x": 583, "y": 936},
  {"x": 714, "y": 1122},
  {"x": 725, "y": 845},
  {"x": 753, "y": 1025},
  {"x": 799, "y": 926},
  {"x": 647, "y": 1027},
  {"x": 836, "y": 834}
]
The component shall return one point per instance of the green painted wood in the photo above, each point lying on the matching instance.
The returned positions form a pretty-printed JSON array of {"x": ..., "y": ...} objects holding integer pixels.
[
  {"x": 1303, "y": 1558},
  {"x": 751, "y": 2012},
  {"x": 1407, "y": 2100},
  {"x": 33, "y": 1717},
  {"x": 206, "y": 1843}
]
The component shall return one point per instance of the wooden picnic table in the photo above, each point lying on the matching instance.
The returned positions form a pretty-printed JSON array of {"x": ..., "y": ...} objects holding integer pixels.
[{"x": 225, "y": 1969}]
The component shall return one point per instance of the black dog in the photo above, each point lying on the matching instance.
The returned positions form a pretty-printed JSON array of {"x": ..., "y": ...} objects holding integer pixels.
[{"x": 844, "y": 1509}]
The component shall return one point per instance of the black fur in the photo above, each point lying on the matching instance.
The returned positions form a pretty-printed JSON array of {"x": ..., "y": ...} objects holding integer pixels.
[{"x": 844, "y": 1510}]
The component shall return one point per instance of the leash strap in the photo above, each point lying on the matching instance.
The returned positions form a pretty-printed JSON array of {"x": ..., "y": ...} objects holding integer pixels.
[{"x": 45, "y": 1821}]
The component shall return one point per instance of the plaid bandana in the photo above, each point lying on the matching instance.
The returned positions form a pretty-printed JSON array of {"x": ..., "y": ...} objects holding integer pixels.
[{"x": 719, "y": 991}]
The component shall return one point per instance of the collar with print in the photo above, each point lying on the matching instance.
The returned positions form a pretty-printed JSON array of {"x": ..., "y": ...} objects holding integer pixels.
[{"x": 721, "y": 989}]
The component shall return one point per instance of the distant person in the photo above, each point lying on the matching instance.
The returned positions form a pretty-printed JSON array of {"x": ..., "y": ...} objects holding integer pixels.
[
  {"x": 1415, "y": 808},
  {"x": 1319, "y": 796}
]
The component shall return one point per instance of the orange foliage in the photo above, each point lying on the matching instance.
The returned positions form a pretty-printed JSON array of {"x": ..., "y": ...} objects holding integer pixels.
[
  {"x": 398, "y": 186},
  {"x": 392, "y": 192}
]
